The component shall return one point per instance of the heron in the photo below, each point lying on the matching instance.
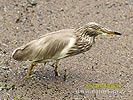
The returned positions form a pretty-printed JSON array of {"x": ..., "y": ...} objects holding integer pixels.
[{"x": 57, "y": 45}]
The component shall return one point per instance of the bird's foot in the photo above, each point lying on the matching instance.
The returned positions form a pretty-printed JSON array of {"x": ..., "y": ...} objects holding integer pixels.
[
  {"x": 56, "y": 72},
  {"x": 27, "y": 75}
]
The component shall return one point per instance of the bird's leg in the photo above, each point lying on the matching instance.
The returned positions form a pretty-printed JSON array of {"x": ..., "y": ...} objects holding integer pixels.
[
  {"x": 56, "y": 70},
  {"x": 30, "y": 69}
]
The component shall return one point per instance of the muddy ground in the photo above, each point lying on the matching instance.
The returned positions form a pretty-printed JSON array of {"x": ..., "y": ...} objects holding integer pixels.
[{"x": 110, "y": 60}]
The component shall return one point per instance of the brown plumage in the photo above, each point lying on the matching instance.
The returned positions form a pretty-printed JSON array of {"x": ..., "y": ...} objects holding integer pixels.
[
  {"x": 45, "y": 48},
  {"x": 60, "y": 44}
]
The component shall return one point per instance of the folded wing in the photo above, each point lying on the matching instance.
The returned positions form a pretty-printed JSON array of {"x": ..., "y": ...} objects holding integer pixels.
[{"x": 48, "y": 47}]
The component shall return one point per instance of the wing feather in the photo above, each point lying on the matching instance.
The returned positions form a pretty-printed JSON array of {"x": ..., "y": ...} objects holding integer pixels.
[{"x": 47, "y": 47}]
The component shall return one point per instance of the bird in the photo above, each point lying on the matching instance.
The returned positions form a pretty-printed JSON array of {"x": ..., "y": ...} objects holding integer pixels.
[{"x": 60, "y": 44}]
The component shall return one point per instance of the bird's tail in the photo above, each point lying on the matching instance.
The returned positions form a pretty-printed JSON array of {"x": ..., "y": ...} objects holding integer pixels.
[
  {"x": 22, "y": 54},
  {"x": 26, "y": 52},
  {"x": 17, "y": 54}
]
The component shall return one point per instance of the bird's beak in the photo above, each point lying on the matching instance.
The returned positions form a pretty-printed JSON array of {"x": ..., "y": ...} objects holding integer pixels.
[
  {"x": 114, "y": 33},
  {"x": 110, "y": 32}
]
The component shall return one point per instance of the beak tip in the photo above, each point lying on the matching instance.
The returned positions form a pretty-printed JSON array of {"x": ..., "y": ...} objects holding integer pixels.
[{"x": 117, "y": 33}]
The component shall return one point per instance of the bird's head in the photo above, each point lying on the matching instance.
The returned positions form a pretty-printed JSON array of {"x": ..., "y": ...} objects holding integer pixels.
[{"x": 94, "y": 29}]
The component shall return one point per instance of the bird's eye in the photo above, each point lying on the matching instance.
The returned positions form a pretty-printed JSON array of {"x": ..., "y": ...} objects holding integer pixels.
[{"x": 96, "y": 27}]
